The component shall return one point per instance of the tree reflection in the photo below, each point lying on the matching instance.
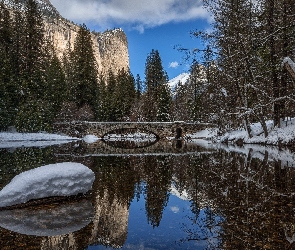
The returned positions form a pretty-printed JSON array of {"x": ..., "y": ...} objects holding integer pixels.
[
  {"x": 238, "y": 200},
  {"x": 158, "y": 176},
  {"x": 255, "y": 197},
  {"x": 14, "y": 162}
]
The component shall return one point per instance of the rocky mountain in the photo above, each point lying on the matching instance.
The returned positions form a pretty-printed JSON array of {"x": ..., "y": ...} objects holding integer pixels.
[{"x": 110, "y": 47}]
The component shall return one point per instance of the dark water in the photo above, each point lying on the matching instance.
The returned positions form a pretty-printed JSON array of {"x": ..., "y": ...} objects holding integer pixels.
[{"x": 160, "y": 196}]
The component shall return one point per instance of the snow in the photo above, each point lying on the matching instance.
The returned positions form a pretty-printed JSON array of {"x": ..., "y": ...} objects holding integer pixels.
[
  {"x": 90, "y": 138},
  {"x": 135, "y": 137},
  {"x": 182, "y": 78},
  {"x": 9, "y": 136},
  {"x": 15, "y": 140},
  {"x": 290, "y": 62},
  {"x": 183, "y": 195},
  {"x": 206, "y": 133},
  {"x": 61, "y": 179},
  {"x": 284, "y": 135}
]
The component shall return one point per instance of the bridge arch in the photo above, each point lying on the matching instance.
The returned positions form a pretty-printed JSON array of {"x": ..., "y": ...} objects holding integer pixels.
[{"x": 125, "y": 130}]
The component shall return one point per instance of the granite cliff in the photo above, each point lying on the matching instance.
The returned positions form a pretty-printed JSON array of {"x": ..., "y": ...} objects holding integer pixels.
[{"x": 110, "y": 47}]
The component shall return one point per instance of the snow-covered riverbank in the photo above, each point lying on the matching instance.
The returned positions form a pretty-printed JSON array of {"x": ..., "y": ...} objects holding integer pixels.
[
  {"x": 14, "y": 136},
  {"x": 277, "y": 136},
  {"x": 15, "y": 140}
]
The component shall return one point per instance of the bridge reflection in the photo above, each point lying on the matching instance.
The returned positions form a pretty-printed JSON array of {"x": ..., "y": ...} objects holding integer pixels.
[
  {"x": 127, "y": 144},
  {"x": 163, "y": 147}
]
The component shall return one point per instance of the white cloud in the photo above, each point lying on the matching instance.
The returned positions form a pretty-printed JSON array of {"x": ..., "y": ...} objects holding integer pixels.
[
  {"x": 173, "y": 65},
  {"x": 174, "y": 209},
  {"x": 138, "y": 14}
]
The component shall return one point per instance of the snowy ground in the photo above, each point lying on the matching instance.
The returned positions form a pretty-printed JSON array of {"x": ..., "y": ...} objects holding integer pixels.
[
  {"x": 16, "y": 140},
  {"x": 203, "y": 134},
  {"x": 283, "y": 135}
]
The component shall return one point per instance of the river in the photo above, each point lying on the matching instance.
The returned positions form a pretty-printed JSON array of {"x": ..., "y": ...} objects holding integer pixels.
[{"x": 180, "y": 195}]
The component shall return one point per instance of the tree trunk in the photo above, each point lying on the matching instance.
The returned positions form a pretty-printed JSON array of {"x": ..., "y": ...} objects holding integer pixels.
[{"x": 274, "y": 75}]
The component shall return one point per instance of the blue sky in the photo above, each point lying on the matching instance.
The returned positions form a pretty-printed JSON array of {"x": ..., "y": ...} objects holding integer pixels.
[{"x": 153, "y": 24}]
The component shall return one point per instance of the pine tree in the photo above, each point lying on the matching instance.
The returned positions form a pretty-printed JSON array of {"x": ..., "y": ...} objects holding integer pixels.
[
  {"x": 35, "y": 59},
  {"x": 138, "y": 86},
  {"x": 33, "y": 110},
  {"x": 101, "y": 107},
  {"x": 66, "y": 64},
  {"x": 18, "y": 45},
  {"x": 164, "y": 104},
  {"x": 56, "y": 91},
  {"x": 7, "y": 104},
  {"x": 84, "y": 69},
  {"x": 111, "y": 105},
  {"x": 155, "y": 77},
  {"x": 124, "y": 93}
]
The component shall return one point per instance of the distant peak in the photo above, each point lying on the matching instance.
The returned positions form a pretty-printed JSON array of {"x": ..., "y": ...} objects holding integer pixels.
[{"x": 47, "y": 8}]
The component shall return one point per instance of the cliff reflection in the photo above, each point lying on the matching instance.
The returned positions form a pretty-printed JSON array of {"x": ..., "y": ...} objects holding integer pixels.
[{"x": 239, "y": 200}]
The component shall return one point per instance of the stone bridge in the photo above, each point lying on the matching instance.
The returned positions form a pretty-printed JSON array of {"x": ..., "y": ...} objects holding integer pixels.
[{"x": 161, "y": 130}]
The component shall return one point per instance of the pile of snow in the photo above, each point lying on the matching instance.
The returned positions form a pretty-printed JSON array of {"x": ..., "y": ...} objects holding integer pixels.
[
  {"x": 61, "y": 179},
  {"x": 90, "y": 138}
]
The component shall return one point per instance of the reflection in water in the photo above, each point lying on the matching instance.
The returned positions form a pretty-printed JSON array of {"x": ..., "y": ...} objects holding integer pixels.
[
  {"x": 48, "y": 220},
  {"x": 236, "y": 200},
  {"x": 59, "y": 242},
  {"x": 128, "y": 144}
]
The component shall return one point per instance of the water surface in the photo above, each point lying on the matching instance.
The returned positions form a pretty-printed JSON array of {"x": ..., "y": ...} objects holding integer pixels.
[{"x": 167, "y": 195}]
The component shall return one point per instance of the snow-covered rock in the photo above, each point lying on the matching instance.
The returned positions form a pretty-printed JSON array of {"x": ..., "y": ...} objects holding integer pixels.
[{"x": 61, "y": 179}]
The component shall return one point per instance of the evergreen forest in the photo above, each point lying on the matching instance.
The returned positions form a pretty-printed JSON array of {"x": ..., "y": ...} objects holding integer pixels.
[
  {"x": 38, "y": 89},
  {"x": 236, "y": 79}
]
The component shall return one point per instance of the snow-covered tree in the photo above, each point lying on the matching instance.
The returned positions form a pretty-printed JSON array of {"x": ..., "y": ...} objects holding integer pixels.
[{"x": 250, "y": 39}]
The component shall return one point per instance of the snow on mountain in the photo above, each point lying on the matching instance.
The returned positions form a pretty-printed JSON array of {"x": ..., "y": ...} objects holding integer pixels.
[
  {"x": 47, "y": 8},
  {"x": 182, "y": 79},
  {"x": 62, "y": 179},
  {"x": 183, "y": 195}
]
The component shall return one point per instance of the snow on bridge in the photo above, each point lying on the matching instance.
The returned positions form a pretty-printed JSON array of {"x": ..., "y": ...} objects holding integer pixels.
[{"x": 161, "y": 130}]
